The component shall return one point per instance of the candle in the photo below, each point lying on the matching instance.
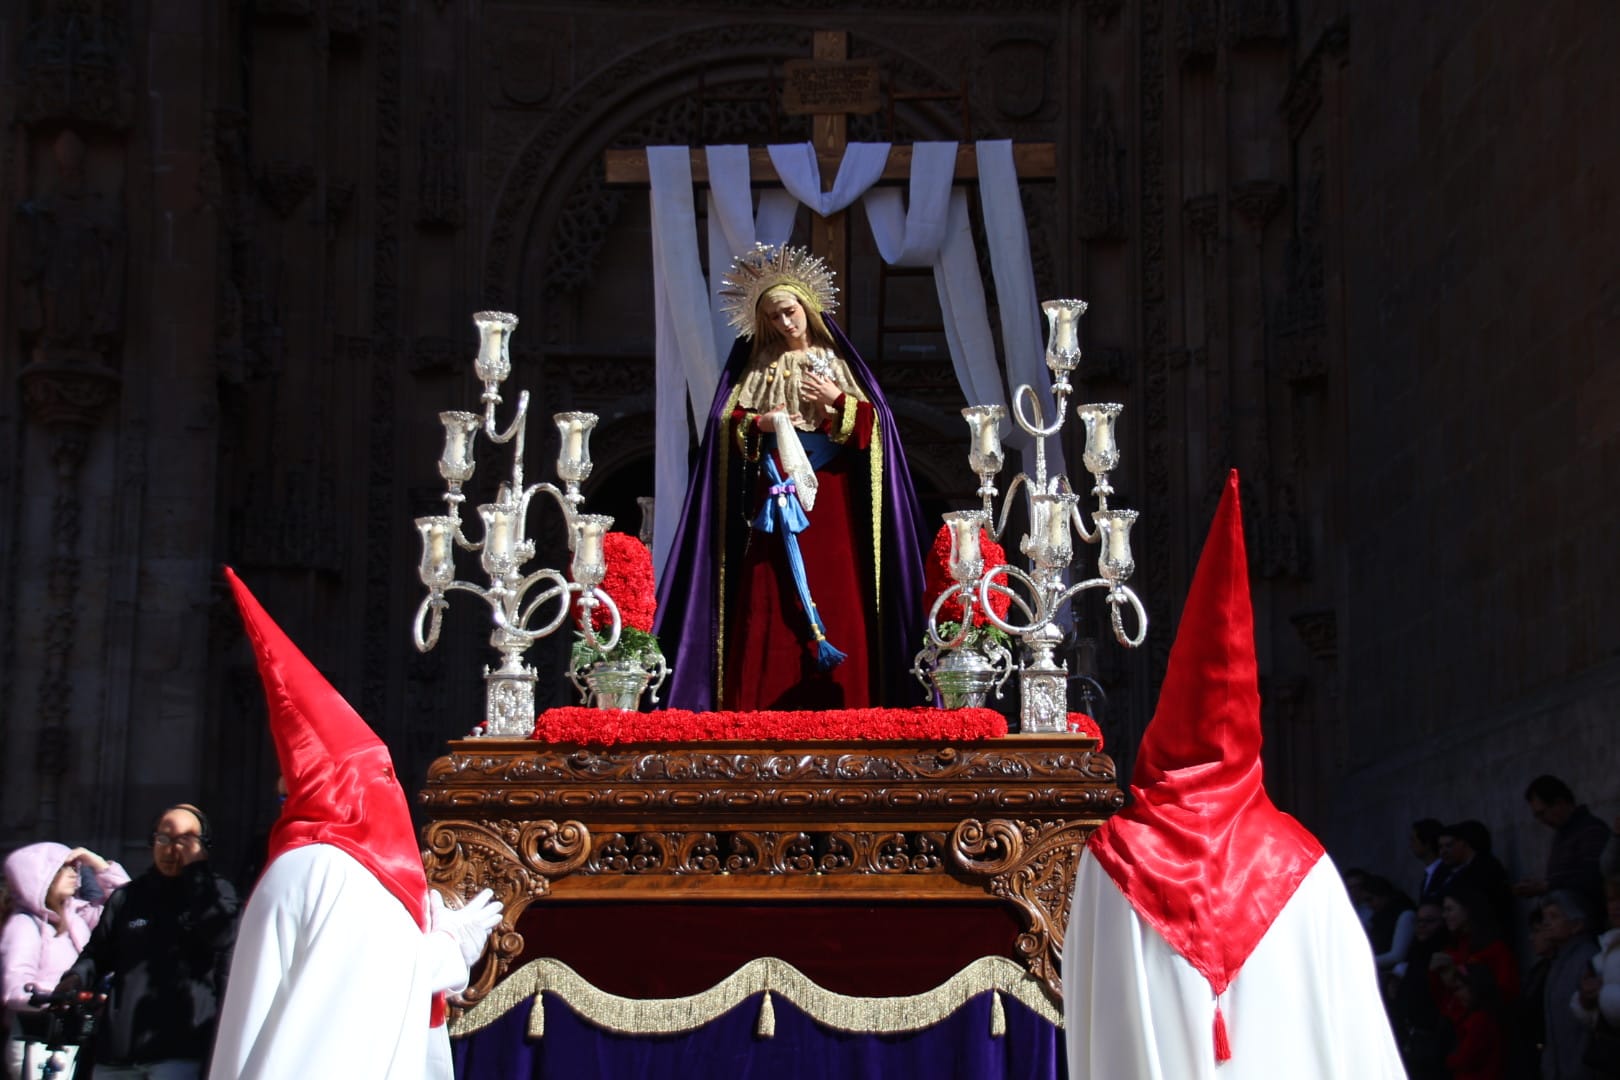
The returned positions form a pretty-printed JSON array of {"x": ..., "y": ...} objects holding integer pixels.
[
  {"x": 1119, "y": 541},
  {"x": 1035, "y": 540},
  {"x": 989, "y": 438},
  {"x": 966, "y": 560},
  {"x": 494, "y": 361},
  {"x": 1102, "y": 452},
  {"x": 436, "y": 568},
  {"x": 574, "y": 447},
  {"x": 456, "y": 463},
  {"x": 1063, "y": 342},
  {"x": 575, "y": 450},
  {"x": 1057, "y": 522},
  {"x": 589, "y": 565},
  {"x": 498, "y": 541}
]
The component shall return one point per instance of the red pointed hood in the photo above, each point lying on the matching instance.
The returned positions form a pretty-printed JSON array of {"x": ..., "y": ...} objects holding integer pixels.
[
  {"x": 1201, "y": 853},
  {"x": 341, "y": 788}
]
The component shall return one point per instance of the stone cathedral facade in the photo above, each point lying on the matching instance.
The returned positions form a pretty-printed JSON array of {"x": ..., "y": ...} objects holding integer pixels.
[{"x": 1356, "y": 250}]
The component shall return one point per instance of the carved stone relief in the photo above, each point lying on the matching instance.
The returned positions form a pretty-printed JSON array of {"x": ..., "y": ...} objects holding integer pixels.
[
  {"x": 69, "y": 265},
  {"x": 285, "y": 185},
  {"x": 382, "y": 355},
  {"x": 1248, "y": 21},
  {"x": 1101, "y": 213},
  {"x": 1197, "y": 29},
  {"x": 76, "y": 67},
  {"x": 439, "y": 164},
  {"x": 1157, "y": 439},
  {"x": 1302, "y": 318},
  {"x": 1016, "y": 69}
]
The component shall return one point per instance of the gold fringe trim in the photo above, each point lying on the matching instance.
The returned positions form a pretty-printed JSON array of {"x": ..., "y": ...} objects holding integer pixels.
[
  {"x": 996, "y": 975},
  {"x": 766, "y": 1028}
]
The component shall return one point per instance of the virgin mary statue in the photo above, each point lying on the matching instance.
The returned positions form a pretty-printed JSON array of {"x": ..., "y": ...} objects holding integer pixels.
[{"x": 796, "y": 575}]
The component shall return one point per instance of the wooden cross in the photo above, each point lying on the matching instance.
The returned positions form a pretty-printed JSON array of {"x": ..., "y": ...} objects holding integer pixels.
[{"x": 829, "y": 236}]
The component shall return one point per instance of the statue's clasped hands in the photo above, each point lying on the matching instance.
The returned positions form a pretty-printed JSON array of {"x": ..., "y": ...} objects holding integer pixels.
[{"x": 818, "y": 390}]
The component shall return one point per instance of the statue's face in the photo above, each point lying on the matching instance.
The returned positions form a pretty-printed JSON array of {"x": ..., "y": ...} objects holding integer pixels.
[{"x": 783, "y": 313}]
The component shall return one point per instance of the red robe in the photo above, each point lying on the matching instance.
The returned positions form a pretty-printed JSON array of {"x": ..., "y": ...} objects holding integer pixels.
[{"x": 768, "y": 664}]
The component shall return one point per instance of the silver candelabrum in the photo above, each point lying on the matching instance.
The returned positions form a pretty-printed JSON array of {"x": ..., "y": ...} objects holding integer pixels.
[
  {"x": 515, "y": 596},
  {"x": 1053, "y": 505}
]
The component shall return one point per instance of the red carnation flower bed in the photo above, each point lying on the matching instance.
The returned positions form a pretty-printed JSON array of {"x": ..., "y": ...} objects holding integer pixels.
[
  {"x": 1082, "y": 724},
  {"x": 937, "y": 578},
  {"x": 605, "y": 727},
  {"x": 629, "y": 580}
]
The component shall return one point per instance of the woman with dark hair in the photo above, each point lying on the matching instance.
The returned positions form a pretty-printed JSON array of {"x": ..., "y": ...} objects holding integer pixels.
[{"x": 1475, "y": 942}]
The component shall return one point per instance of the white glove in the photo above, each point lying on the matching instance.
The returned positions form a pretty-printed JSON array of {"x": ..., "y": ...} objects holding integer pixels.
[{"x": 468, "y": 925}]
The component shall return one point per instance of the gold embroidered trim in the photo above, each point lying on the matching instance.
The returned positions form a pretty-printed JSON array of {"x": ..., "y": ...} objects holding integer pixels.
[
  {"x": 846, "y": 422},
  {"x": 877, "y": 530},
  {"x": 724, "y": 451},
  {"x": 672, "y": 1016}
]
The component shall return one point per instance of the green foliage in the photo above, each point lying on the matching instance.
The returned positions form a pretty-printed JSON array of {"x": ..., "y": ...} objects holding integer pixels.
[
  {"x": 635, "y": 645},
  {"x": 978, "y": 637}
]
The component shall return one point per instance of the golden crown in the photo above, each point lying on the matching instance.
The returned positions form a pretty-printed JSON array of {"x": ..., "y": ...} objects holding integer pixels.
[{"x": 755, "y": 273}]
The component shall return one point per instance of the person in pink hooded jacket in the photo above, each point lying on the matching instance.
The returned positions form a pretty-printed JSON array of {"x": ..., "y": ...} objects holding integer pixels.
[{"x": 43, "y": 936}]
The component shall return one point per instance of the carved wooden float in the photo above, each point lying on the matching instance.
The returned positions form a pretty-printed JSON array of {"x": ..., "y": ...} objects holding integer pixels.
[{"x": 995, "y": 823}]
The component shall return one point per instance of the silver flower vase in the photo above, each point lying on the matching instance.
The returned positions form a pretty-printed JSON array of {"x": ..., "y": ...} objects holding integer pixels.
[
  {"x": 618, "y": 684},
  {"x": 961, "y": 677}
]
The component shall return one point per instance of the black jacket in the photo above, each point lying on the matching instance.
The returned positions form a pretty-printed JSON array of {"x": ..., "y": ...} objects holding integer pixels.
[{"x": 166, "y": 943}]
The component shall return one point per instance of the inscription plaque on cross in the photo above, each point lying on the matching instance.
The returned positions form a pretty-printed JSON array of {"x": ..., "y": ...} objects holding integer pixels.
[{"x": 829, "y": 88}]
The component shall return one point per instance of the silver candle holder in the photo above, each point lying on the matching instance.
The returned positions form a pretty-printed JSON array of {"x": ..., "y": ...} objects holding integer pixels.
[
  {"x": 1055, "y": 519},
  {"x": 516, "y": 597}
]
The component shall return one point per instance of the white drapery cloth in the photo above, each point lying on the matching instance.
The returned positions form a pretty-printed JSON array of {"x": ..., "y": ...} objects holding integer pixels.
[
  {"x": 332, "y": 977},
  {"x": 1022, "y": 339},
  {"x": 932, "y": 231},
  {"x": 1305, "y": 1003},
  {"x": 687, "y": 364}
]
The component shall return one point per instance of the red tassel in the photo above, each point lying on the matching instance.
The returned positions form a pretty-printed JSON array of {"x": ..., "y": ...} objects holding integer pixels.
[{"x": 1223, "y": 1046}]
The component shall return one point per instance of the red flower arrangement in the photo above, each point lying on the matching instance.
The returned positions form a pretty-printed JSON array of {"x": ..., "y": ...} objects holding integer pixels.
[
  {"x": 937, "y": 578},
  {"x": 629, "y": 580},
  {"x": 1081, "y": 724},
  {"x": 578, "y": 725}
]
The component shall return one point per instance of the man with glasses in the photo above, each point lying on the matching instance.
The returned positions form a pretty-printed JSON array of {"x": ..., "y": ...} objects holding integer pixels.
[{"x": 165, "y": 941}]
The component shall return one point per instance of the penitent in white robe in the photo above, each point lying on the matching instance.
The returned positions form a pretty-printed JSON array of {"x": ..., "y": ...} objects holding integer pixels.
[
  {"x": 332, "y": 977},
  {"x": 1304, "y": 1004}
]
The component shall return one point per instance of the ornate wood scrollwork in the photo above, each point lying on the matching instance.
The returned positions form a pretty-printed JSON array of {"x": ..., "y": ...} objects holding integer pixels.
[
  {"x": 731, "y": 822},
  {"x": 518, "y": 860},
  {"x": 1030, "y": 864}
]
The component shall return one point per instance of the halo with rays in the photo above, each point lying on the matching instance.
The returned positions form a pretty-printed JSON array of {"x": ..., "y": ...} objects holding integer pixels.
[{"x": 755, "y": 273}]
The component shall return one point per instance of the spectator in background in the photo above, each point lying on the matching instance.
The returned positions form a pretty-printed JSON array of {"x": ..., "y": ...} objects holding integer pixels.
[
  {"x": 1425, "y": 844},
  {"x": 1609, "y": 861},
  {"x": 1578, "y": 842},
  {"x": 1479, "y": 1054},
  {"x": 1394, "y": 921},
  {"x": 53, "y": 921},
  {"x": 1355, "y": 886},
  {"x": 1529, "y": 1014},
  {"x": 1466, "y": 850},
  {"x": 165, "y": 939},
  {"x": 1597, "y": 1003},
  {"x": 1565, "y": 916},
  {"x": 1423, "y": 1034},
  {"x": 1475, "y": 942}
]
